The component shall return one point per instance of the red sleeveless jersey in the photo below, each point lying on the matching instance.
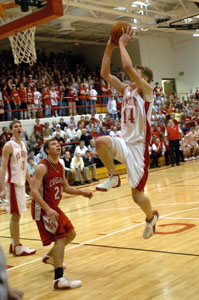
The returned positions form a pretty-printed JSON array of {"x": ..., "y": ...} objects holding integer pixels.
[{"x": 53, "y": 183}]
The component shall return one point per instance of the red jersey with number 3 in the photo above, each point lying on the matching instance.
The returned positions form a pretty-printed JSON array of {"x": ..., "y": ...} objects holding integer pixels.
[
  {"x": 135, "y": 117},
  {"x": 53, "y": 183}
]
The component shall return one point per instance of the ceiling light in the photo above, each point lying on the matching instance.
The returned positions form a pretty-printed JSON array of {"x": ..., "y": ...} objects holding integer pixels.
[
  {"x": 120, "y": 8},
  {"x": 139, "y": 3}
]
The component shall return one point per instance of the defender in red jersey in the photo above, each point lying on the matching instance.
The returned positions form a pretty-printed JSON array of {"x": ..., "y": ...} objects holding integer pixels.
[
  {"x": 47, "y": 186},
  {"x": 132, "y": 148}
]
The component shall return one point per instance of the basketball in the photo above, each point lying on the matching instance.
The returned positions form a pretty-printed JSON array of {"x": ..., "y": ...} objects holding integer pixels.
[{"x": 116, "y": 31}]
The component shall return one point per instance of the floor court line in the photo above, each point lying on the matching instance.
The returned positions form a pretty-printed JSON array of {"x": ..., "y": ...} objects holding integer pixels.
[
  {"x": 111, "y": 209},
  {"x": 181, "y": 218},
  {"x": 126, "y": 208},
  {"x": 142, "y": 249},
  {"x": 102, "y": 237}
]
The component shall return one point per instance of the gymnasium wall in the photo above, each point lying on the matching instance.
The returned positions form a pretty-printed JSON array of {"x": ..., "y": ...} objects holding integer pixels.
[
  {"x": 186, "y": 56},
  {"x": 169, "y": 56},
  {"x": 157, "y": 53}
]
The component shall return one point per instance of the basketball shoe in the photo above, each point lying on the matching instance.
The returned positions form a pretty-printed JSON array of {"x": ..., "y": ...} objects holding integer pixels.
[
  {"x": 20, "y": 250},
  {"x": 49, "y": 260},
  {"x": 150, "y": 226},
  {"x": 64, "y": 283},
  {"x": 112, "y": 182}
]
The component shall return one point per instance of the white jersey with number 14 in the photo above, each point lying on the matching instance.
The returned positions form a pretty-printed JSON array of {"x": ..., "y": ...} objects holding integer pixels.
[{"x": 136, "y": 117}]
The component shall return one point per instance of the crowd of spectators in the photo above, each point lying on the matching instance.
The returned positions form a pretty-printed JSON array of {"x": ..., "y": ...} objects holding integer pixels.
[
  {"x": 77, "y": 139},
  {"x": 50, "y": 88},
  {"x": 57, "y": 85}
]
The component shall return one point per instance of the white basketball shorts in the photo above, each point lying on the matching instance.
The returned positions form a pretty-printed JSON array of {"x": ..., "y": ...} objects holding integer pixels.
[
  {"x": 15, "y": 195},
  {"x": 136, "y": 159}
]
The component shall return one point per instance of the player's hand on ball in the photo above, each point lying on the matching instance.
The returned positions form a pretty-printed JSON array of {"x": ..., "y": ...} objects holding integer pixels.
[
  {"x": 127, "y": 36},
  {"x": 52, "y": 214},
  {"x": 112, "y": 44},
  {"x": 87, "y": 194}
]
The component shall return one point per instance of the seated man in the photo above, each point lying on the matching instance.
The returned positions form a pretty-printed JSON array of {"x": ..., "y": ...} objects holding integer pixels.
[
  {"x": 77, "y": 164},
  {"x": 67, "y": 165},
  {"x": 89, "y": 164},
  {"x": 94, "y": 154}
]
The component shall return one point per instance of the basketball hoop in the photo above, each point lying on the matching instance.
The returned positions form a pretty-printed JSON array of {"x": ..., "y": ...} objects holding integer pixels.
[
  {"x": 20, "y": 28},
  {"x": 23, "y": 46}
]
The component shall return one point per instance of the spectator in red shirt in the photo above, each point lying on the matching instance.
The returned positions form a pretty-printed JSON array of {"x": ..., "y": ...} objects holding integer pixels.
[
  {"x": 30, "y": 103},
  {"x": 197, "y": 94},
  {"x": 7, "y": 134},
  {"x": 83, "y": 98},
  {"x": 38, "y": 126},
  {"x": 119, "y": 108},
  {"x": 157, "y": 90},
  {"x": 23, "y": 98},
  {"x": 94, "y": 133},
  {"x": 46, "y": 101},
  {"x": 104, "y": 92},
  {"x": 93, "y": 119},
  {"x": 173, "y": 136},
  {"x": 17, "y": 102},
  {"x": 187, "y": 120},
  {"x": 72, "y": 94}
]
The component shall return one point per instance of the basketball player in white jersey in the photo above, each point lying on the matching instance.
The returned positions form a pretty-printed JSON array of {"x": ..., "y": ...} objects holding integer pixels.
[
  {"x": 14, "y": 161},
  {"x": 132, "y": 148}
]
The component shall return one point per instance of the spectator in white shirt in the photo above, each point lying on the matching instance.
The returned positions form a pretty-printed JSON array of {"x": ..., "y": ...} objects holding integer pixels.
[
  {"x": 93, "y": 99},
  {"x": 70, "y": 131},
  {"x": 81, "y": 148},
  {"x": 72, "y": 121},
  {"x": 58, "y": 129},
  {"x": 112, "y": 107},
  {"x": 115, "y": 132},
  {"x": 37, "y": 98},
  {"x": 54, "y": 101},
  {"x": 79, "y": 131},
  {"x": 77, "y": 164}
]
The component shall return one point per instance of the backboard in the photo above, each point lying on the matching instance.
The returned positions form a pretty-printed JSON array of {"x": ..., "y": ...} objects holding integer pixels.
[{"x": 13, "y": 20}]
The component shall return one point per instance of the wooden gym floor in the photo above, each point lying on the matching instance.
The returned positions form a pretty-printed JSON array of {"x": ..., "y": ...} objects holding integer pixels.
[{"x": 109, "y": 254}]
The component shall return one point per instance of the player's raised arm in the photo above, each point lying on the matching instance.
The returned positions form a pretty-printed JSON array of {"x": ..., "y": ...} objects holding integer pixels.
[
  {"x": 140, "y": 78},
  {"x": 72, "y": 191},
  {"x": 105, "y": 69}
]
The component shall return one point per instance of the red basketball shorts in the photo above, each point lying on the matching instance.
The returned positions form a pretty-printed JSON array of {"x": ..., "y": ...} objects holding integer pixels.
[{"x": 50, "y": 230}]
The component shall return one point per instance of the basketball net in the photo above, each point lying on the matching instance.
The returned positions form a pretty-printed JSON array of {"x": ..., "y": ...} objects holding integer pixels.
[{"x": 23, "y": 46}]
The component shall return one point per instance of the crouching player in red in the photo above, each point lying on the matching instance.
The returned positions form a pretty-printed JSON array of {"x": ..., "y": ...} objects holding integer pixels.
[{"x": 47, "y": 186}]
